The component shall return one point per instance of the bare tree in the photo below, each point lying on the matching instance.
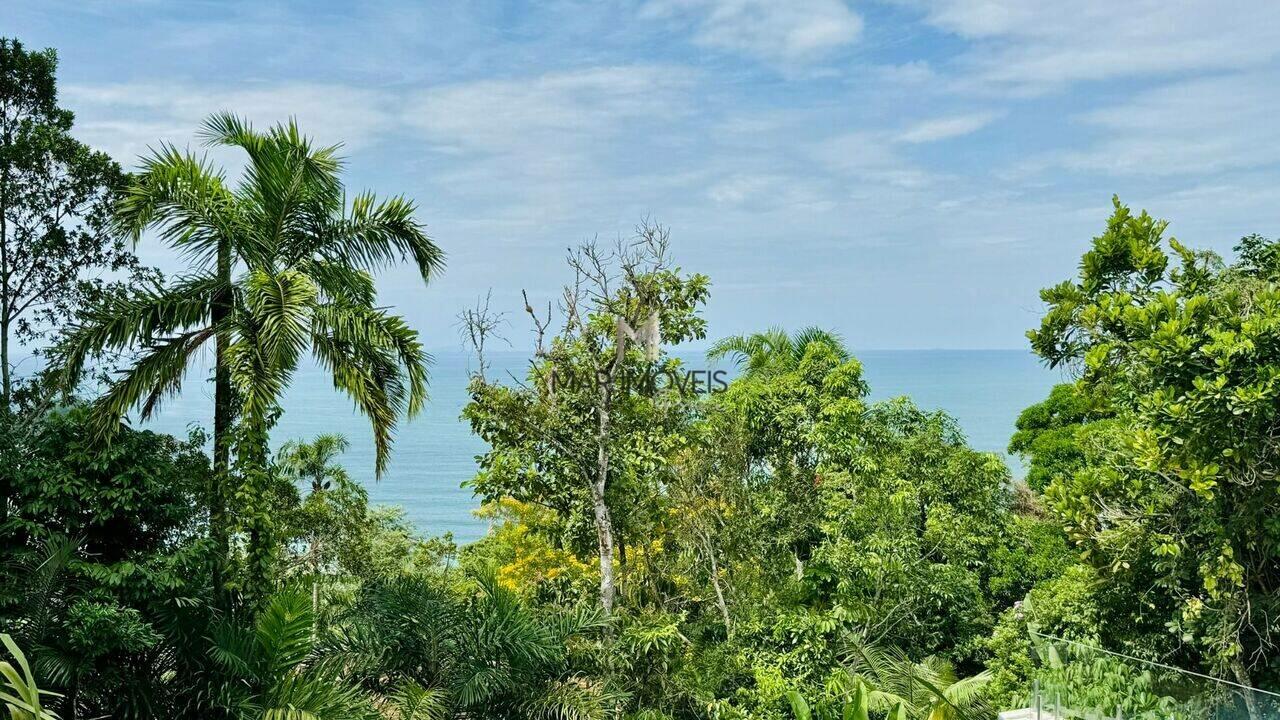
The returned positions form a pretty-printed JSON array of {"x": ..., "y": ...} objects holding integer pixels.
[{"x": 478, "y": 326}]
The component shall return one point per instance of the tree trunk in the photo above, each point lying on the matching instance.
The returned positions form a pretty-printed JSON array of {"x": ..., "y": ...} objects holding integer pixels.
[
  {"x": 6, "y": 384},
  {"x": 604, "y": 523},
  {"x": 222, "y": 415},
  {"x": 1250, "y": 699},
  {"x": 315, "y": 584},
  {"x": 715, "y": 583},
  {"x": 4, "y": 407}
]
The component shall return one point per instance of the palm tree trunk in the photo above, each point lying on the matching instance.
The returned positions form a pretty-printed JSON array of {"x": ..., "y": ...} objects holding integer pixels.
[
  {"x": 315, "y": 584},
  {"x": 220, "y": 481},
  {"x": 6, "y": 386}
]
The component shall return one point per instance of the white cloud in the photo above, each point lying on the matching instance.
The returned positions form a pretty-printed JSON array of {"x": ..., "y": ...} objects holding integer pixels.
[
  {"x": 566, "y": 108},
  {"x": 1186, "y": 128},
  {"x": 126, "y": 118},
  {"x": 868, "y": 162},
  {"x": 791, "y": 31},
  {"x": 945, "y": 128},
  {"x": 1031, "y": 46},
  {"x": 770, "y": 192}
]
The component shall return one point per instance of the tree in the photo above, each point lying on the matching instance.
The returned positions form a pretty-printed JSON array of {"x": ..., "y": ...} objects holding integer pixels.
[
  {"x": 305, "y": 258},
  {"x": 1183, "y": 497},
  {"x": 55, "y": 200},
  {"x": 1051, "y": 435},
  {"x": 100, "y": 545},
  {"x": 777, "y": 406},
  {"x": 591, "y": 401},
  {"x": 774, "y": 350},
  {"x": 335, "y": 506}
]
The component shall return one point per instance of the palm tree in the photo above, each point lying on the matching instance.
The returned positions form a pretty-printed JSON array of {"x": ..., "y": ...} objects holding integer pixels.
[
  {"x": 305, "y": 258},
  {"x": 774, "y": 350},
  {"x": 314, "y": 462},
  {"x": 435, "y": 653},
  {"x": 894, "y": 684},
  {"x": 270, "y": 671}
]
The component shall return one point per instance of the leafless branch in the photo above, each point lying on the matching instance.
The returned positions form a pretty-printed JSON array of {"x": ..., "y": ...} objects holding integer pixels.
[{"x": 478, "y": 325}]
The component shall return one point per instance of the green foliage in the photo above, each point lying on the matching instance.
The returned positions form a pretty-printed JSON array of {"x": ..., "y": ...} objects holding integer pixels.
[
  {"x": 1182, "y": 495},
  {"x": 56, "y": 196},
  {"x": 91, "y": 608},
  {"x": 1051, "y": 434},
  {"x": 269, "y": 671},
  {"x": 307, "y": 258},
  {"x": 786, "y": 547},
  {"x": 592, "y": 430},
  {"x": 473, "y": 651},
  {"x": 889, "y": 684},
  {"x": 306, "y": 285},
  {"x": 21, "y": 696}
]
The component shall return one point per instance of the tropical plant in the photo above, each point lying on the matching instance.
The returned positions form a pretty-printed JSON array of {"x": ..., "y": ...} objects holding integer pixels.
[
  {"x": 588, "y": 429},
  {"x": 774, "y": 350},
  {"x": 313, "y": 462},
  {"x": 269, "y": 671},
  {"x": 100, "y": 543},
  {"x": 886, "y": 680},
  {"x": 304, "y": 257},
  {"x": 334, "y": 508},
  {"x": 425, "y": 647},
  {"x": 20, "y": 693},
  {"x": 1180, "y": 498}
]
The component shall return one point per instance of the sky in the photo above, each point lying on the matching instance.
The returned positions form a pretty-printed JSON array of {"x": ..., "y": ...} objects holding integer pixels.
[{"x": 907, "y": 172}]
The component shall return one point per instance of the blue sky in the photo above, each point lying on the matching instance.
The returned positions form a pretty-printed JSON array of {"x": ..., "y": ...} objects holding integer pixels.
[{"x": 908, "y": 172}]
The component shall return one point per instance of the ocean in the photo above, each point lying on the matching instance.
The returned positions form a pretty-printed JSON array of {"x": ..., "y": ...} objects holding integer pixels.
[{"x": 435, "y": 453}]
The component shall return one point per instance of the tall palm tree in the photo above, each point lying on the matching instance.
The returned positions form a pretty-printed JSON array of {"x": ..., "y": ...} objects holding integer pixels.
[
  {"x": 304, "y": 258},
  {"x": 774, "y": 350}
]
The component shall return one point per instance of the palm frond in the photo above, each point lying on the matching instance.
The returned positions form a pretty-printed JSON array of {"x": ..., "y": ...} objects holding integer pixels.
[
  {"x": 280, "y": 304},
  {"x": 283, "y": 631},
  {"x": 340, "y": 283},
  {"x": 814, "y": 334},
  {"x": 411, "y": 701},
  {"x": 183, "y": 199},
  {"x": 157, "y": 375},
  {"x": 374, "y": 234},
  {"x": 125, "y": 321},
  {"x": 370, "y": 354},
  {"x": 572, "y": 699}
]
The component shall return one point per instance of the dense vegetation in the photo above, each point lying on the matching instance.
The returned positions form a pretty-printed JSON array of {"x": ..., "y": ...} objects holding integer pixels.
[{"x": 781, "y": 547}]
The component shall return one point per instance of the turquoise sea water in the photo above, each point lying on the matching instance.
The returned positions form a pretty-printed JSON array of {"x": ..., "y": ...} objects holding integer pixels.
[{"x": 435, "y": 453}]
